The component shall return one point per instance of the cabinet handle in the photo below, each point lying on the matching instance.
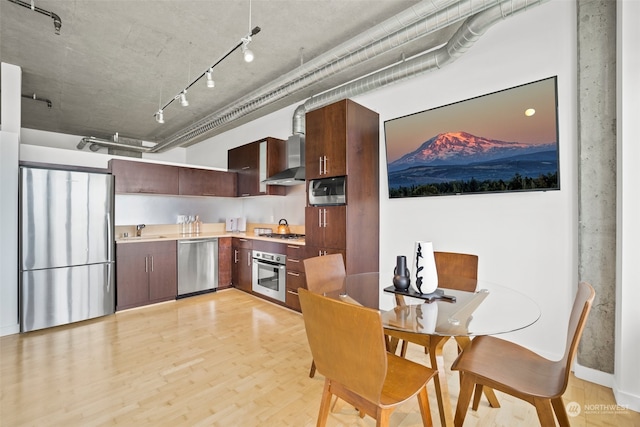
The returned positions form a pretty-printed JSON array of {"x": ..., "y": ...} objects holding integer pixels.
[
  {"x": 235, "y": 256},
  {"x": 245, "y": 194},
  {"x": 293, "y": 247},
  {"x": 293, "y": 273},
  {"x": 248, "y": 258},
  {"x": 151, "y": 263},
  {"x": 146, "y": 264},
  {"x": 322, "y": 253},
  {"x": 320, "y": 165},
  {"x": 324, "y": 224},
  {"x": 243, "y": 240},
  {"x": 325, "y": 165},
  {"x": 289, "y": 291},
  {"x": 319, "y": 218},
  {"x": 293, "y": 260},
  {"x": 246, "y": 167}
]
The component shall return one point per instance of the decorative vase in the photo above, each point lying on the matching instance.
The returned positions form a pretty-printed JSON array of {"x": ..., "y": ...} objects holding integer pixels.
[
  {"x": 424, "y": 268},
  {"x": 401, "y": 280}
]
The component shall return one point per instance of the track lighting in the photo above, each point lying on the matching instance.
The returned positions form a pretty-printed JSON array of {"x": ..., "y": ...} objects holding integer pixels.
[
  {"x": 183, "y": 98},
  {"x": 182, "y": 95},
  {"x": 248, "y": 53},
  {"x": 210, "y": 82}
]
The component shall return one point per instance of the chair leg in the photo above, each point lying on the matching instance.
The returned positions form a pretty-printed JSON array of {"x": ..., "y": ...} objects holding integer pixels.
[
  {"x": 545, "y": 412},
  {"x": 325, "y": 403},
  {"x": 466, "y": 389},
  {"x": 477, "y": 395},
  {"x": 312, "y": 371},
  {"x": 382, "y": 420},
  {"x": 403, "y": 349},
  {"x": 561, "y": 412},
  {"x": 425, "y": 409}
]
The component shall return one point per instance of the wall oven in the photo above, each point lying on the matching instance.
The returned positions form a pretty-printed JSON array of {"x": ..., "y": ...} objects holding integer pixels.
[{"x": 269, "y": 275}]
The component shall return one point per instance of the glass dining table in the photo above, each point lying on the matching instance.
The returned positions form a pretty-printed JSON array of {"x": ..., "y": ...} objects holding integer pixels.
[{"x": 431, "y": 319}]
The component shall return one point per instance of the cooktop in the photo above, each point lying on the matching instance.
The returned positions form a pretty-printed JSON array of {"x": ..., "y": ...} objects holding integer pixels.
[{"x": 288, "y": 236}]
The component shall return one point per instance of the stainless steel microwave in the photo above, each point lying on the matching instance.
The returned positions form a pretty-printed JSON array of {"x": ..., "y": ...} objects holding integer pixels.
[{"x": 328, "y": 191}]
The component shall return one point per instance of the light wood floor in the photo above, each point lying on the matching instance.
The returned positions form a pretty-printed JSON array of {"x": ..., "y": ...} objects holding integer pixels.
[{"x": 222, "y": 359}]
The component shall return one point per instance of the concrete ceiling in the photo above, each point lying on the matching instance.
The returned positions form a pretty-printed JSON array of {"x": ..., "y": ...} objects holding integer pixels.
[{"x": 116, "y": 62}]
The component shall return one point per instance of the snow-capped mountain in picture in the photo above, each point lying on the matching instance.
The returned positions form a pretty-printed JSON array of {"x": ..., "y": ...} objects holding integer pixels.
[
  {"x": 475, "y": 163},
  {"x": 462, "y": 148}
]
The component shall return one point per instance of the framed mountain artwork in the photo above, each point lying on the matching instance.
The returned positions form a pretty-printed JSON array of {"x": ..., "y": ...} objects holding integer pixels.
[{"x": 500, "y": 142}]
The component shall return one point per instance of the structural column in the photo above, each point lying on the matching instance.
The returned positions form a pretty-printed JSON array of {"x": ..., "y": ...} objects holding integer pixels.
[{"x": 597, "y": 176}]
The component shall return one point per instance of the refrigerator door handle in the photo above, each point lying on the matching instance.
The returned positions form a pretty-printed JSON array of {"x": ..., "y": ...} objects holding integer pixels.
[{"x": 110, "y": 238}]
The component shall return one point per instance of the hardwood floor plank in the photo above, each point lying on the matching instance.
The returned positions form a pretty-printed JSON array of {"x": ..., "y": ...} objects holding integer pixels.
[{"x": 220, "y": 359}]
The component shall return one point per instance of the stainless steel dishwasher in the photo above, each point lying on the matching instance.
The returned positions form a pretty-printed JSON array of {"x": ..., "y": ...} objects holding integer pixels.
[{"x": 197, "y": 266}]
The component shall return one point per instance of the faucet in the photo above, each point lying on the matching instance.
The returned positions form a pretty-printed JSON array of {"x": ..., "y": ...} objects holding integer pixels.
[{"x": 139, "y": 228}]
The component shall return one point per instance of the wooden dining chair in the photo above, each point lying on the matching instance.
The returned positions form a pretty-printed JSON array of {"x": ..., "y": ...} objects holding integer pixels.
[
  {"x": 502, "y": 365},
  {"x": 323, "y": 274},
  {"x": 348, "y": 346}
]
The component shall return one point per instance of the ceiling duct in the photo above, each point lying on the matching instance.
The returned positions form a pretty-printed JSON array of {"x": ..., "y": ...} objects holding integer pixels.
[{"x": 470, "y": 31}]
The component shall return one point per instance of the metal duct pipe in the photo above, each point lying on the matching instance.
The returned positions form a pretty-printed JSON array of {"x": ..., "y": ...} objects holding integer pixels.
[
  {"x": 97, "y": 142},
  {"x": 418, "y": 21},
  {"x": 37, "y": 98},
  {"x": 459, "y": 43},
  {"x": 57, "y": 22}
]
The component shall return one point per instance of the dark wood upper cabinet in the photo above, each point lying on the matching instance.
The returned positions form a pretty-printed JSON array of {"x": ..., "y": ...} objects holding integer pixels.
[
  {"x": 204, "y": 182},
  {"x": 142, "y": 177},
  {"x": 155, "y": 178},
  {"x": 256, "y": 161}
]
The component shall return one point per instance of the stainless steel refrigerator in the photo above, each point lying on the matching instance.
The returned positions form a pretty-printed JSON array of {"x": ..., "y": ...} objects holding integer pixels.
[{"x": 66, "y": 247}]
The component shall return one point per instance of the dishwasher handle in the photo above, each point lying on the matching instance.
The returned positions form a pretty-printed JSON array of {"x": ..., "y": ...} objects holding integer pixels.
[{"x": 189, "y": 242}]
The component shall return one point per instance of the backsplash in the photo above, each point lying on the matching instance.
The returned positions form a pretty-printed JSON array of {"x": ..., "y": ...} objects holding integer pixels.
[{"x": 158, "y": 209}]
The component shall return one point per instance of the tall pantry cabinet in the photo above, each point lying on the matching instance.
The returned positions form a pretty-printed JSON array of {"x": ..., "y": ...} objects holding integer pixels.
[{"x": 342, "y": 139}]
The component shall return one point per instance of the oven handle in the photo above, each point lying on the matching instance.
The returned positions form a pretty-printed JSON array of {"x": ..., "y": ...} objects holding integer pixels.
[{"x": 262, "y": 261}]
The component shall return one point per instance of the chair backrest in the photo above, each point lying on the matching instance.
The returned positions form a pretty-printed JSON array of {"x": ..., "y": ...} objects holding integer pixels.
[
  {"x": 451, "y": 264},
  {"x": 347, "y": 343},
  {"x": 324, "y": 273},
  {"x": 577, "y": 321}
]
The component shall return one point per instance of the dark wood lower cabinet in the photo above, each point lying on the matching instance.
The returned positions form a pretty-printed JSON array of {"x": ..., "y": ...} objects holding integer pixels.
[
  {"x": 241, "y": 268},
  {"x": 146, "y": 273},
  {"x": 225, "y": 259}
]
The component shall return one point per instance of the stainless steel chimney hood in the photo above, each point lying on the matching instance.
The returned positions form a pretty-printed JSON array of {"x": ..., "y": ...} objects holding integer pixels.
[{"x": 294, "y": 174}]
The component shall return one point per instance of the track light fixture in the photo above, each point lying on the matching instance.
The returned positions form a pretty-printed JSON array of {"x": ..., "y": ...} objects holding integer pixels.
[
  {"x": 210, "y": 82},
  {"x": 182, "y": 95},
  {"x": 246, "y": 52},
  {"x": 183, "y": 98}
]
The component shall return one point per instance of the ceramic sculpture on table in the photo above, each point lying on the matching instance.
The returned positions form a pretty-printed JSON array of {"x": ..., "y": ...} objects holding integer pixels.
[{"x": 424, "y": 268}]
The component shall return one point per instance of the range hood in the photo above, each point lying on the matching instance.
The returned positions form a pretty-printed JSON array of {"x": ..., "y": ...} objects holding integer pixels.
[{"x": 294, "y": 174}]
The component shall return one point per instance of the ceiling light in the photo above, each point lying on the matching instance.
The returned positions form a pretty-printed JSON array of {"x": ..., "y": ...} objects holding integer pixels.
[
  {"x": 210, "y": 82},
  {"x": 248, "y": 54},
  {"x": 160, "y": 117},
  {"x": 183, "y": 98}
]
